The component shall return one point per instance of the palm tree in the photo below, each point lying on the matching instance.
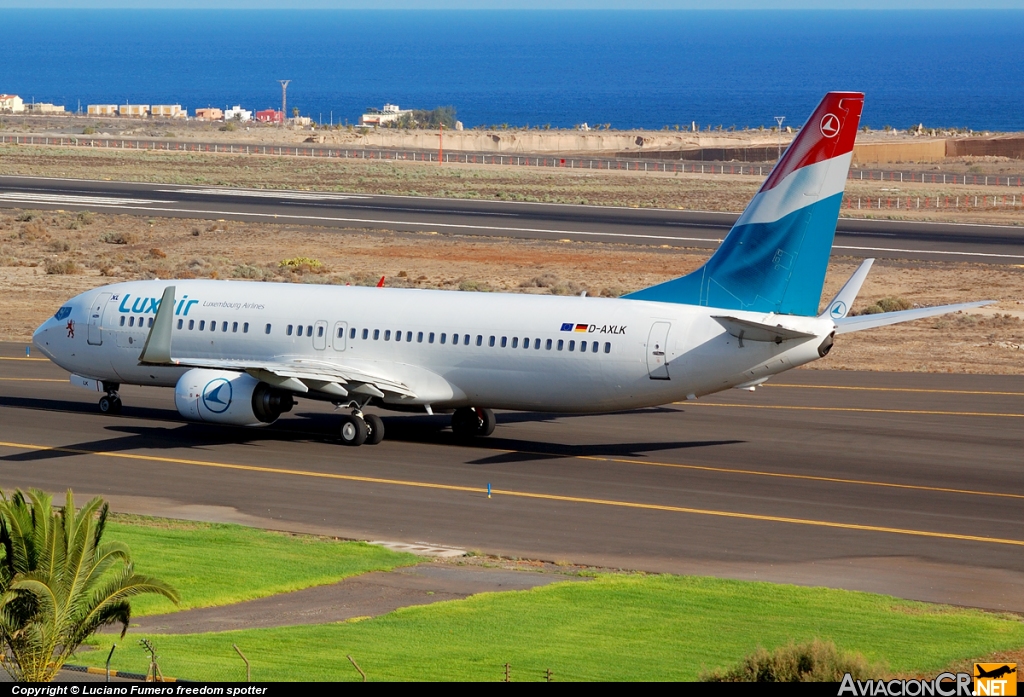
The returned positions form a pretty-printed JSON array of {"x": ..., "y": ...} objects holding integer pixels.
[{"x": 59, "y": 583}]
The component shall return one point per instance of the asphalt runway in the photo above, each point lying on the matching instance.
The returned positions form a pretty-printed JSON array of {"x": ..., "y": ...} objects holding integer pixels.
[
  {"x": 909, "y": 484},
  {"x": 859, "y": 238}
]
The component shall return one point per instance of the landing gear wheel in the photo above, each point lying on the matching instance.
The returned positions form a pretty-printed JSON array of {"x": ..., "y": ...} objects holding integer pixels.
[
  {"x": 110, "y": 404},
  {"x": 376, "y": 427},
  {"x": 470, "y": 422},
  {"x": 353, "y": 430}
]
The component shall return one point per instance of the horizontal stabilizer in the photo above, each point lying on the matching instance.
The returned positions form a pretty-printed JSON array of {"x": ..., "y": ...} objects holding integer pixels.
[
  {"x": 746, "y": 330},
  {"x": 841, "y": 304},
  {"x": 845, "y": 325}
]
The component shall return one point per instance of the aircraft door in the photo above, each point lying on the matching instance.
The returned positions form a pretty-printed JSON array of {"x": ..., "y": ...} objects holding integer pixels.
[
  {"x": 96, "y": 319},
  {"x": 320, "y": 335},
  {"x": 657, "y": 351},
  {"x": 338, "y": 337}
]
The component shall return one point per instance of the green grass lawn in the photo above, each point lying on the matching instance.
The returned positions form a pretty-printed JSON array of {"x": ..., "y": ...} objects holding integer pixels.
[
  {"x": 217, "y": 564},
  {"x": 610, "y": 628}
]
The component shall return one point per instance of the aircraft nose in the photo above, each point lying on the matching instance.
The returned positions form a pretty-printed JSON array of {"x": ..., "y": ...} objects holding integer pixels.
[{"x": 40, "y": 338}]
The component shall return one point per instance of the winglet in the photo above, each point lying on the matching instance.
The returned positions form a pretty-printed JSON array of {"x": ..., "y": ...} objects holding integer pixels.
[
  {"x": 841, "y": 304},
  {"x": 157, "y": 350}
]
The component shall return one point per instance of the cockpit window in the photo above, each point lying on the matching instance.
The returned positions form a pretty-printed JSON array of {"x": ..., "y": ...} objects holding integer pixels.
[{"x": 62, "y": 313}]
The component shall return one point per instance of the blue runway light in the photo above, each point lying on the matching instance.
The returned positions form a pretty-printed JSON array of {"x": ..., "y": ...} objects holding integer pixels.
[{"x": 488, "y": 490}]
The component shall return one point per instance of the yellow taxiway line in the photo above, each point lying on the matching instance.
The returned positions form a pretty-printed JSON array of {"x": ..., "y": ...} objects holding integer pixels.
[
  {"x": 862, "y": 410},
  {"x": 524, "y": 494}
]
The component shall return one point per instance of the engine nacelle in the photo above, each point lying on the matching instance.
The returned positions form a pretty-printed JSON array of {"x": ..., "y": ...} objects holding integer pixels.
[{"x": 227, "y": 397}]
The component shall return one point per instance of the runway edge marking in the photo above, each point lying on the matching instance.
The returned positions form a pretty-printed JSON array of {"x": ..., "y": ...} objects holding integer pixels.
[{"x": 526, "y": 495}]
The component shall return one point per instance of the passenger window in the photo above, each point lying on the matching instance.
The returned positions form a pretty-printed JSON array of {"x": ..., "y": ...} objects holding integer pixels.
[
  {"x": 387, "y": 335},
  {"x": 309, "y": 330},
  {"x": 490, "y": 342},
  {"x": 351, "y": 333},
  {"x": 504, "y": 341},
  {"x": 526, "y": 343},
  {"x": 572, "y": 345},
  {"x": 150, "y": 323},
  {"x": 267, "y": 329},
  {"x": 131, "y": 321},
  {"x": 234, "y": 327},
  {"x": 191, "y": 324},
  {"x": 515, "y": 342},
  {"x": 443, "y": 335},
  {"x": 376, "y": 334},
  {"x": 430, "y": 338},
  {"x": 536, "y": 344},
  {"x": 547, "y": 345},
  {"x": 561, "y": 343},
  {"x": 288, "y": 330},
  {"x": 398, "y": 335},
  {"x": 408, "y": 336},
  {"x": 479, "y": 340},
  {"x": 224, "y": 327},
  {"x": 455, "y": 339},
  {"x": 181, "y": 323},
  {"x": 583, "y": 347},
  {"x": 341, "y": 333},
  {"x": 122, "y": 320},
  {"x": 202, "y": 324},
  {"x": 593, "y": 348},
  {"x": 298, "y": 330},
  {"x": 320, "y": 332},
  {"x": 213, "y": 326},
  {"x": 245, "y": 328},
  {"x": 607, "y": 347},
  {"x": 366, "y": 333},
  {"x": 419, "y": 338}
]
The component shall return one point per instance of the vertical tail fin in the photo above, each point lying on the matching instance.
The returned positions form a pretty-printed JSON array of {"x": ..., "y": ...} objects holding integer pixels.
[{"x": 774, "y": 258}]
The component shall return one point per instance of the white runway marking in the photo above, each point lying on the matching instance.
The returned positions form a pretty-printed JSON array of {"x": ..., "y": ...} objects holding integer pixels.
[
  {"x": 73, "y": 199},
  {"x": 265, "y": 193}
]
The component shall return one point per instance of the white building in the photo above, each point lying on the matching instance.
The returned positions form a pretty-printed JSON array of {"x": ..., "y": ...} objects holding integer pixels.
[
  {"x": 102, "y": 110},
  {"x": 390, "y": 112},
  {"x": 237, "y": 113},
  {"x": 136, "y": 110},
  {"x": 168, "y": 111},
  {"x": 44, "y": 108},
  {"x": 11, "y": 103}
]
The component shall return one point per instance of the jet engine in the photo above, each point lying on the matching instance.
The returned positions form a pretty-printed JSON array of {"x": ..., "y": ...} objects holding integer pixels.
[{"x": 227, "y": 397}]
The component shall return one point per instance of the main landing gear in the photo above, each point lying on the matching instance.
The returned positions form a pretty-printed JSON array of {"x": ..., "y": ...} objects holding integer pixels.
[
  {"x": 360, "y": 429},
  {"x": 110, "y": 403},
  {"x": 472, "y": 422}
]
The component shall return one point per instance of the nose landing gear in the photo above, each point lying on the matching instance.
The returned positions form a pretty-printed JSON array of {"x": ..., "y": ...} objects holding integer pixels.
[
  {"x": 111, "y": 402},
  {"x": 472, "y": 422}
]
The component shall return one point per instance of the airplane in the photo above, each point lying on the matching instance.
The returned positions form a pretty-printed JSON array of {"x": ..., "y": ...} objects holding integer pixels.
[
  {"x": 996, "y": 672},
  {"x": 241, "y": 353}
]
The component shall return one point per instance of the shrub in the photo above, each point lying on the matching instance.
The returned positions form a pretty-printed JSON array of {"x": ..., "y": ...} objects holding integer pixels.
[
  {"x": 890, "y": 304},
  {"x": 119, "y": 237},
  {"x": 88, "y": 131},
  {"x": 814, "y": 661},
  {"x": 546, "y": 280},
  {"x": 157, "y": 253},
  {"x": 35, "y": 230},
  {"x": 62, "y": 267},
  {"x": 248, "y": 271},
  {"x": 301, "y": 265},
  {"x": 477, "y": 286}
]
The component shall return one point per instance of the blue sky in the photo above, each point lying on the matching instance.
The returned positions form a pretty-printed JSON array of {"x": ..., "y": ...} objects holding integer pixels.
[{"x": 521, "y": 4}]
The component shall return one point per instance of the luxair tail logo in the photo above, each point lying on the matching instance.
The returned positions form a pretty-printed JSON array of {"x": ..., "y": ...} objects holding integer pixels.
[
  {"x": 217, "y": 395},
  {"x": 995, "y": 679}
]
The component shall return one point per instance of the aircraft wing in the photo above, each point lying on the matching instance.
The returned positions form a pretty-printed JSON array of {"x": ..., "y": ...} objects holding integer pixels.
[
  {"x": 296, "y": 374},
  {"x": 845, "y": 325},
  {"x": 301, "y": 375}
]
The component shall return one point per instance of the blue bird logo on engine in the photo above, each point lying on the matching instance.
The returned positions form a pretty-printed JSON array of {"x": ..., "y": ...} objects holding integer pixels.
[{"x": 217, "y": 395}]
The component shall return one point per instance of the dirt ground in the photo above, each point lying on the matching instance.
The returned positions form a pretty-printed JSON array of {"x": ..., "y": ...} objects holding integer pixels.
[{"x": 47, "y": 257}]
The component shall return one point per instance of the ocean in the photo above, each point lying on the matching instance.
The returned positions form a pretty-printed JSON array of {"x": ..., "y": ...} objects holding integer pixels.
[{"x": 643, "y": 69}]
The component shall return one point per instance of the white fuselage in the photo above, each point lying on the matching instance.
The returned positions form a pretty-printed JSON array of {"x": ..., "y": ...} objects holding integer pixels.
[{"x": 513, "y": 351}]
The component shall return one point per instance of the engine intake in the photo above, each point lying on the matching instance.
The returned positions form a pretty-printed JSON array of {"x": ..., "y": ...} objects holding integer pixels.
[{"x": 227, "y": 397}]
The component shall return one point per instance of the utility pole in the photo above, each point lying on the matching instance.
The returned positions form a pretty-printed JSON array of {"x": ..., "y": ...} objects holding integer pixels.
[
  {"x": 440, "y": 144},
  {"x": 779, "y": 120},
  {"x": 284, "y": 100}
]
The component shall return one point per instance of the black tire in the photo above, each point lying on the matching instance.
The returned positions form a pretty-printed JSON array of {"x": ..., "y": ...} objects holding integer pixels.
[
  {"x": 471, "y": 422},
  {"x": 110, "y": 405},
  {"x": 487, "y": 422},
  {"x": 376, "y": 427},
  {"x": 353, "y": 430}
]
